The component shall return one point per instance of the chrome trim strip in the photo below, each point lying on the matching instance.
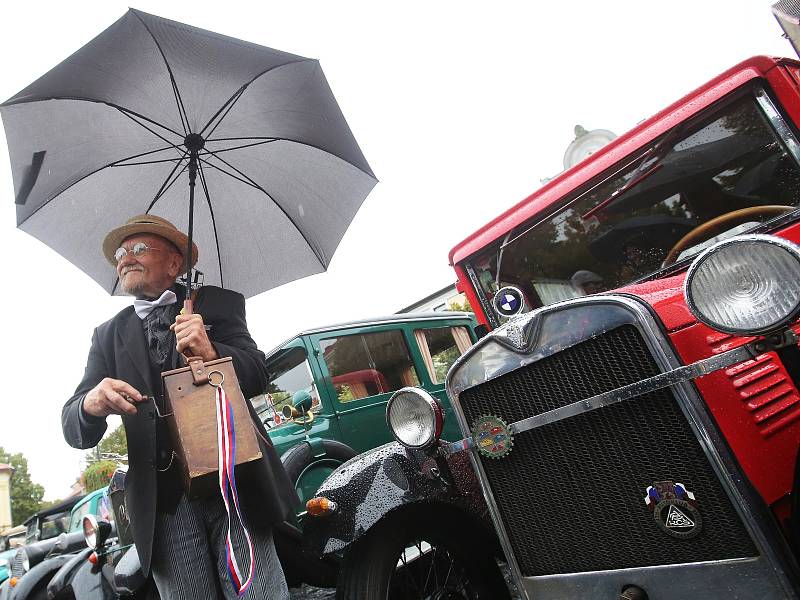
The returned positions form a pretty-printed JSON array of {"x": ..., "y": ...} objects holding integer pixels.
[
  {"x": 775, "y": 118},
  {"x": 744, "y": 579},
  {"x": 625, "y": 310},
  {"x": 657, "y": 382}
]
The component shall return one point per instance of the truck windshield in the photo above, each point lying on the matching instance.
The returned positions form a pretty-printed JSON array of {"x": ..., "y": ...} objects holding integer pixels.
[{"x": 723, "y": 176}]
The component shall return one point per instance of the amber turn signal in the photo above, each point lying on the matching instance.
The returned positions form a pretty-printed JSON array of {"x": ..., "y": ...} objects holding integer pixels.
[
  {"x": 12, "y": 582},
  {"x": 320, "y": 506},
  {"x": 93, "y": 558}
]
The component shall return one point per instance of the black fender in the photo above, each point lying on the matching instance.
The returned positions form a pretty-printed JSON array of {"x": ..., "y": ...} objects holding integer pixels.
[
  {"x": 128, "y": 575},
  {"x": 370, "y": 486},
  {"x": 60, "y": 584},
  {"x": 94, "y": 582},
  {"x": 39, "y": 576},
  {"x": 299, "y": 457}
]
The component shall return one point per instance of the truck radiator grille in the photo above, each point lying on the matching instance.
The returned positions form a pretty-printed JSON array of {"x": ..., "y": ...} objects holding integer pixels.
[
  {"x": 16, "y": 564},
  {"x": 571, "y": 494}
]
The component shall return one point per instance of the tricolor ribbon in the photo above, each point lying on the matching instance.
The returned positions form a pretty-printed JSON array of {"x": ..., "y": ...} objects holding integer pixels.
[{"x": 226, "y": 444}]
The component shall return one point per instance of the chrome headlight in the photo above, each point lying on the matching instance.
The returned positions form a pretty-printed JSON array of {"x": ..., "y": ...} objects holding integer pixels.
[
  {"x": 414, "y": 417},
  {"x": 26, "y": 562},
  {"x": 95, "y": 531},
  {"x": 747, "y": 285}
]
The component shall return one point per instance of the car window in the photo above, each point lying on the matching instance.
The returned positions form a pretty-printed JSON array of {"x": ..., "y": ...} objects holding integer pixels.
[
  {"x": 440, "y": 348},
  {"x": 368, "y": 364},
  {"x": 53, "y": 525},
  {"x": 77, "y": 516},
  {"x": 288, "y": 372}
]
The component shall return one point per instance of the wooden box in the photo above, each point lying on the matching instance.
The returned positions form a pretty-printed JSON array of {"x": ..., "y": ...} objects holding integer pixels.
[{"x": 193, "y": 422}]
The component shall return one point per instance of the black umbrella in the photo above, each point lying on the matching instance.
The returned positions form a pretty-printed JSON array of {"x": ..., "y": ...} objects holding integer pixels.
[{"x": 133, "y": 120}]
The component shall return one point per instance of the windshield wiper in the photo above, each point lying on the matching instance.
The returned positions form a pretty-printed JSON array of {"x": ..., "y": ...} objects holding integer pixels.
[{"x": 658, "y": 151}]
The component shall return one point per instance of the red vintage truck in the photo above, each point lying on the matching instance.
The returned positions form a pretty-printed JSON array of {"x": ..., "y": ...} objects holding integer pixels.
[{"x": 631, "y": 423}]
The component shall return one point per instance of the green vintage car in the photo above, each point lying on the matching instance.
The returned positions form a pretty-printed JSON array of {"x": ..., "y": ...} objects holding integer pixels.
[
  {"x": 10, "y": 539},
  {"x": 350, "y": 371}
]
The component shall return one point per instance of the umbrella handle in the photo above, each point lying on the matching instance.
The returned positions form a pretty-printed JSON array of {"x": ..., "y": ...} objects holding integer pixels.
[{"x": 187, "y": 310}]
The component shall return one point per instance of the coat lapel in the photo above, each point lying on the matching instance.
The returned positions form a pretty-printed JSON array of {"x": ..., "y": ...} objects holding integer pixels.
[{"x": 131, "y": 341}]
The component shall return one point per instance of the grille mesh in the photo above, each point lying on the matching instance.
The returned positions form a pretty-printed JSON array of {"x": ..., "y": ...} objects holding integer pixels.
[
  {"x": 16, "y": 564},
  {"x": 571, "y": 494}
]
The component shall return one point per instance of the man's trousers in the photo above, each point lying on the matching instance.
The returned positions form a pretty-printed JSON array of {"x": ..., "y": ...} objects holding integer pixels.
[{"x": 189, "y": 555}]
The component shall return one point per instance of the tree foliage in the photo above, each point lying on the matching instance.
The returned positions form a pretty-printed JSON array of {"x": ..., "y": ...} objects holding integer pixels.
[
  {"x": 456, "y": 306},
  {"x": 112, "y": 446},
  {"x": 115, "y": 442},
  {"x": 98, "y": 474},
  {"x": 26, "y": 496}
]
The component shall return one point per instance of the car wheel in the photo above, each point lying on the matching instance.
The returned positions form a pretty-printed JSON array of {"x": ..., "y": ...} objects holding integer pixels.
[
  {"x": 422, "y": 556},
  {"x": 307, "y": 472}
]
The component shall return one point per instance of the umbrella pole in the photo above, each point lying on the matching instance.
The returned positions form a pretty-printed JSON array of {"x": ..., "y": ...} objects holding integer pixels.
[
  {"x": 194, "y": 142},
  {"x": 187, "y": 303}
]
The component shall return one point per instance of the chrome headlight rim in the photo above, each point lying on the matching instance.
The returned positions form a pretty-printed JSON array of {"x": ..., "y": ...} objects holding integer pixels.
[
  {"x": 90, "y": 532},
  {"x": 436, "y": 414},
  {"x": 786, "y": 245},
  {"x": 26, "y": 562}
]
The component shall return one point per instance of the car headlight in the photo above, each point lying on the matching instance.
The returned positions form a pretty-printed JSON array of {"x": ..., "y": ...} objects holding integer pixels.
[
  {"x": 746, "y": 285},
  {"x": 26, "y": 562},
  {"x": 414, "y": 417}
]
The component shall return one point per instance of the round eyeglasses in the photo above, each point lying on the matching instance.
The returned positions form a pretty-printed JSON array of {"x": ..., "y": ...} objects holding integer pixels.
[{"x": 138, "y": 249}]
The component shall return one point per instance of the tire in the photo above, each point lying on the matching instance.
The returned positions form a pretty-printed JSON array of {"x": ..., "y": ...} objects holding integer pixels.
[
  {"x": 457, "y": 564},
  {"x": 297, "y": 460}
]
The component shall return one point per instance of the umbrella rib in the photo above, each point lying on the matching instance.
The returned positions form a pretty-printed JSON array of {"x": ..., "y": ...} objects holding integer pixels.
[
  {"x": 221, "y": 170},
  {"x": 121, "y": 160},
  {"x": 148, "y": 162},
  {"x": 158, "y": 135},
  {"x": 213, "y": 222},
  {"x": 112, "y": 164},
  {"x": 167, "y": 183},
  {"x": 95, "y": 101},
  {"x": 238, "y": 93},
  {"x": 265, "y": 141},
  {"x": 181, "y": 108},
  {"x": 258, "y": 187},
  {"x": 283, "y": 139},
  {"x": 231, "y": 103}
]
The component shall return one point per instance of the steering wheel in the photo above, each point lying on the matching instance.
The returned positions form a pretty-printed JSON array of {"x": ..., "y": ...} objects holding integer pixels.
[{"x": 720, "y": 223}]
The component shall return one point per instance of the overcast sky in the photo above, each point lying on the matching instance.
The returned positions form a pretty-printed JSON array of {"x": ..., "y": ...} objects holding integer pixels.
[{"x": 460, "y": 110}]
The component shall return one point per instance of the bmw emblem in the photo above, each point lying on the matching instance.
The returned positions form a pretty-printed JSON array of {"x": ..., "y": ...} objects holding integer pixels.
[{"x": 508, "y": 301}]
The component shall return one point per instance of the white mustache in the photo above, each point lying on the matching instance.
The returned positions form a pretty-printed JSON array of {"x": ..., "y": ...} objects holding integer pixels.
[{"x": 127, "y": 270}]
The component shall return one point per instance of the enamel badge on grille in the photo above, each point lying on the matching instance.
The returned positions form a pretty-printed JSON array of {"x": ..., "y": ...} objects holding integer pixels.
[
  {"x": 674, "y": 509},
  {"x": 491, "y": 436}
]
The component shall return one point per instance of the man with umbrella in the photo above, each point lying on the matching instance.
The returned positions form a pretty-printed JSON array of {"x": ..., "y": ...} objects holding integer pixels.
[
  {"x": 183, "y": 542},
  {"x": 258, "y": 131}
]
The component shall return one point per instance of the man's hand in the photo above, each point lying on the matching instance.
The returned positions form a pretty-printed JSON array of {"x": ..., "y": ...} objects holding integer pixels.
[
  {"x": 111, "y": 397},
  {"x": 190, "y": 333}
]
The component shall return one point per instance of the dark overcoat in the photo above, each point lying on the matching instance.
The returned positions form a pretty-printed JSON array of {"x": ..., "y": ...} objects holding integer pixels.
[{"x": 119, "y": 351}]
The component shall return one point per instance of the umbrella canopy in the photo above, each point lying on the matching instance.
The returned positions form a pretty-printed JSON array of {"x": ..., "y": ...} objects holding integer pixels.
[{"x": 111, "y": 131}]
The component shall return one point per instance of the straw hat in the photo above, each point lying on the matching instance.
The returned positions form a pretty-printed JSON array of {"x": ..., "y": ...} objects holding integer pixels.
[{"x": 147, "y": 224}]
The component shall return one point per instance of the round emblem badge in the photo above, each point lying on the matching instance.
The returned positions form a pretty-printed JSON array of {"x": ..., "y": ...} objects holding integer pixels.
[
  {"x": 508, "y": 301},
  {"x": 492, "y": 437},
  {"x": 675, "y": 509},
  {"x": 678, "y": 518}
]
